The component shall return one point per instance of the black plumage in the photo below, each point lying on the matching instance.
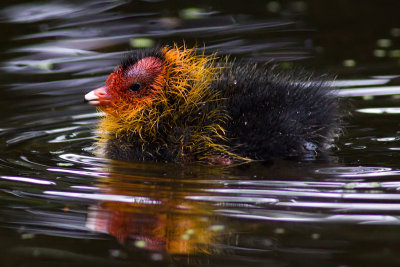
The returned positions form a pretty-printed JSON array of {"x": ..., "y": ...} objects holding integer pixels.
[{"x": 274, "y": 113}]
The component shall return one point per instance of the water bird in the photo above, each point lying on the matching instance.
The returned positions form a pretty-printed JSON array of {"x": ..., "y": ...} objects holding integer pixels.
[{"x": 175, "y": 104}]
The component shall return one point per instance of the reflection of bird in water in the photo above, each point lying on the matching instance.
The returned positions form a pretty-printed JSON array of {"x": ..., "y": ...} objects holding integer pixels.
[
  {"x": 154, "y": 218},
  {"x": 171, "y": 104}
]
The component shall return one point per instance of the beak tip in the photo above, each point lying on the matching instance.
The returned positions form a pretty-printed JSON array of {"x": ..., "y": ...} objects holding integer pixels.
[
  {"x": 91, "y": 98},
  {"x": 97, "y": 97}
]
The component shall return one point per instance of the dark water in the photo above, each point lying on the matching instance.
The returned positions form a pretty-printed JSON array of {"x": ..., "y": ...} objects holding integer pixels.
[{"x": 62, "y": 206}]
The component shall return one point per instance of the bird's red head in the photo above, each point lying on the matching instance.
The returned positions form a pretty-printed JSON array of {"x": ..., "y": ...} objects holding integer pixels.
[{"x": 129, "y": 86}]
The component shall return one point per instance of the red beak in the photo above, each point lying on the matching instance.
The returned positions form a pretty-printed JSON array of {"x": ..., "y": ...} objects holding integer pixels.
[{"x": 98, "y": 97}]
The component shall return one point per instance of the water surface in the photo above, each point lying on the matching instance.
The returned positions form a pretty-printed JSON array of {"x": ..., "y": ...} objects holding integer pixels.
[{"x": 62, "y": 205}]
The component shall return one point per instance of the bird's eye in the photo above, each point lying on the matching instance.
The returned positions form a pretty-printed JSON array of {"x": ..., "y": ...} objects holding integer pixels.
[{"x": 135, "y": 87}]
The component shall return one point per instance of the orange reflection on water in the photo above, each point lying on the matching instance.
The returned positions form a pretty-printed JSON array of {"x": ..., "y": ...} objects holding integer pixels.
[{"x": 156, "y": 217}]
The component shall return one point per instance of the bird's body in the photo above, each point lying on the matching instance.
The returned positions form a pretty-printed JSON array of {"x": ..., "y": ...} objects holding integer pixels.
[{"x": 171, "y": 104}]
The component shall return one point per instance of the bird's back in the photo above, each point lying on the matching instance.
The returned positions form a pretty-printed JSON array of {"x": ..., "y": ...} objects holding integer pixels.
[{"x": 274, "y": 114}]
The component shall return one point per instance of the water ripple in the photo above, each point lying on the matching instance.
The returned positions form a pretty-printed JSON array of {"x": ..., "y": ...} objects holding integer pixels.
[{"x": 55, "y": 191}]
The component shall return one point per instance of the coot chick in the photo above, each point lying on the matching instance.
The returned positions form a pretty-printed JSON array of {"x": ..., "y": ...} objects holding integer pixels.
[{"x": 173, "y": 104}]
